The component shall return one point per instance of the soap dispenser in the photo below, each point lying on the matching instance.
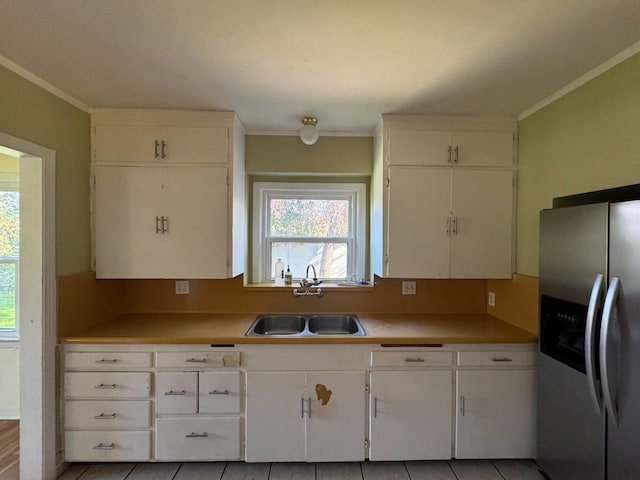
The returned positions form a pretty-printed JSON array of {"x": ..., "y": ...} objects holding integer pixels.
[{"x": 288, "y": 277}]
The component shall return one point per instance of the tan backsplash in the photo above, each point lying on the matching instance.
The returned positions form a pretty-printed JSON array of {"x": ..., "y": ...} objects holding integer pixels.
[
  {"x": 84, "y": 301},
  {"x": 516, "y": 301}
]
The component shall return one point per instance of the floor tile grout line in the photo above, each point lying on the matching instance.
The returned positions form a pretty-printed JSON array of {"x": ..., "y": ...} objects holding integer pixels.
[
  {"x": 453, "y": 472},
  {"x": 407, "y": 470},
  {"x": 178, "y": 470},
  {"x": 497, "y": 469}
]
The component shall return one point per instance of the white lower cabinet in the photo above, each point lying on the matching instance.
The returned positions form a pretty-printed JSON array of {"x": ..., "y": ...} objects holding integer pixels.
[
  {"x": 201, "y": 439},
  {"x": 305, "y": 416},
  {"x": 410, "y": 415},
  {"x": 496, "y": 407}
]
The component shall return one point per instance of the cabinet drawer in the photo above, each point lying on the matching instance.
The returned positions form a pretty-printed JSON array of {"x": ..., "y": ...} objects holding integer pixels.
[
  {"x": 107, "y": 384},
  {"x": 411, "y": 359},
  {"x": 219, "y": 392},
  {"x": 107, "y": 414},
  {"x": 197, "y": 359},
  {"x": 107, "y": 360},
  {"x": 205, "y": 439},
  {"x": 497, "y": 358},
  {"x": 107, "y": 446},
  {"x": 177, "y": 392}
]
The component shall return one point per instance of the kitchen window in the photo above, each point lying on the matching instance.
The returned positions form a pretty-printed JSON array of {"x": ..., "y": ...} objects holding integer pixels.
[
  {"x": 319, "y": 224},
  {"x": 9, "y": 255}
]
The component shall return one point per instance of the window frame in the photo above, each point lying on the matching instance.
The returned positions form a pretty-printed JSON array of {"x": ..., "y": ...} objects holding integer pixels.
[
  {"x": 263, "y": 192},
  {"x": 10, "y": 182}
]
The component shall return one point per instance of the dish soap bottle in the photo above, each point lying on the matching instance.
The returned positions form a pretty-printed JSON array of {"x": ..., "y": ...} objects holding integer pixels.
[
  {"x": 279, "y": 272},
  {"x": 288, "y": 277}
]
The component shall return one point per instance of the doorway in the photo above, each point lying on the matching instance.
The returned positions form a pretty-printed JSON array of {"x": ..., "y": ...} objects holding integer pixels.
[{"x": 35, "y": 284}]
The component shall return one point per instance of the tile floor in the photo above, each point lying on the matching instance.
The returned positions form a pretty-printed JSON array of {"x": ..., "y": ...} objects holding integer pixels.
[{"x": 432, "y": 470}]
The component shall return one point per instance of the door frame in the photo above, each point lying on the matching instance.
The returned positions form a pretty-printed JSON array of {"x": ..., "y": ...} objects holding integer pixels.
[{"x": 38, "y": 322}]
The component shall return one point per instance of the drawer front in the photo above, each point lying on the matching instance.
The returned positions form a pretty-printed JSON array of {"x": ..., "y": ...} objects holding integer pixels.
[
  {"x": 497, "y": 358},
  {"x": 177, "y": 392},
  {"x": 205, "y": 439},
  {"x": 197, "y": 359},
  {"x": 107, "y": 446},
  {"x": 411, "y": 359},
  {"x": 99, "y": 415},
  {"x": 107, "y": 360},
  {"x": 107, "y": 384},
  {"x": 219, "y": 392}
]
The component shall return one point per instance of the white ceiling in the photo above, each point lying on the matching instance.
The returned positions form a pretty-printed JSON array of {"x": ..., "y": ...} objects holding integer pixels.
[{"x": 344, "y": 61}]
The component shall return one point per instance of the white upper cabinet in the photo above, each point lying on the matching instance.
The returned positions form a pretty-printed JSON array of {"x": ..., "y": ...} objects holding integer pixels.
[
  {"x": 443, "y": 194},
  {"x": 433, "y": 147},
  {"x": 168, "y": 195}
]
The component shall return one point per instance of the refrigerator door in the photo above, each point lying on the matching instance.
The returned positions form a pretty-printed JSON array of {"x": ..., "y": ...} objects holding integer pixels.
[
  {"x": 622, "y": 350},
  {"x": 570, "y": 427}
]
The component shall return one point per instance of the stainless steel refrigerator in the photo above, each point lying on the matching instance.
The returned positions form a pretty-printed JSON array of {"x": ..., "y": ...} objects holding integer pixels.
[{"x": 588, "y": 418}]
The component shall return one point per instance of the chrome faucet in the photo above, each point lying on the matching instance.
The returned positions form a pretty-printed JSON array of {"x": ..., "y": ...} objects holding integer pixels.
[{"x": 307, "y": 283}]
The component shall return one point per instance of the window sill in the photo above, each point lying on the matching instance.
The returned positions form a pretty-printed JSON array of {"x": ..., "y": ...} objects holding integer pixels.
[{"x": 334, "y": 287}]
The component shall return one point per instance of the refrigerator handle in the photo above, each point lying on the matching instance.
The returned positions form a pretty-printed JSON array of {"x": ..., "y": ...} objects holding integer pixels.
[
  {"x": 589, "y": 342},
  {"x": 609, "y": 302}
]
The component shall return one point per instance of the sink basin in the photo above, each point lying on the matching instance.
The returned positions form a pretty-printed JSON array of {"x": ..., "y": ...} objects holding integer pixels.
[
  {"x": 278, "y": 325},
  {"x": 335, "y": 325},
  {"x": 305, "y": 326}
]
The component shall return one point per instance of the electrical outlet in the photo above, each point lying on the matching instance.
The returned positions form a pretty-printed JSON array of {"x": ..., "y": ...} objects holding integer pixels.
[
  {"x": 492, "y": 299},
  {"x": 408, "y": 288},
  {"x": 182, "y": 287}
]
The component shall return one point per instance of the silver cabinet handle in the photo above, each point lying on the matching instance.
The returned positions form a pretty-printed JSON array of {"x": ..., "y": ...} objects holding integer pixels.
[
  {"x": 455, "y": 157},
  {"x": 501, "y": 359},
  {"x": 102, "y": 446},
  {"x": 607, "y": 311},
  {"x": 414, "y": 359},
  {"x": 165, "y": 224},
  {"x": 302, "y": 407},
  {"x": 156, "y": 154},
  {"x": 309, "y": 410},
  {"x": 196, "y": 360},
  {"x": 105, "y": 386},
  {"x": 449, "y": 226},
  {"x": 158, "y": 225},
  {"x": 105, "y": 416},
  {"x": 219, "y": 392},
  {"x": 590, "y": 340},
  {"x": 454, "y": 225},
  {"x": 196, "y": 435},
  {"x": 174, "y": 392},
  {"x": 375, "y": 407},
  {"x": 462, "y": 405},
  {"x": 449, "y": 154},
  {"x": 106, "y": 360},
  {"x": 164, "y": 149}
]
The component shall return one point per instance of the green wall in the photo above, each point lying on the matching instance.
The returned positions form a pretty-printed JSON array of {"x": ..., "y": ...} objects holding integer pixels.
[
  {"x": 587, "y": 140},
  {"x": 31, "y": 113}
]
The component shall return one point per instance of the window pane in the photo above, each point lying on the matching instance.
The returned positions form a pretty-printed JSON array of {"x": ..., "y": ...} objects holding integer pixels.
[
  {"x": 309, "y": 218},
  {"x": 330, "y": 259},
  {"x": 7, "y": 295}
]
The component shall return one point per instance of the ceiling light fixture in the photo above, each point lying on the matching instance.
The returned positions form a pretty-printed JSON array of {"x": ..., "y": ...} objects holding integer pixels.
[{"x": 309, "y": 132}]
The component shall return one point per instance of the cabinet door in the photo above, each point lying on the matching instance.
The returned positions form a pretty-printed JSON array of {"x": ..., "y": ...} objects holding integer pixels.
[
  {"x": 275, "y": 417},
  {"x": 194, "y": 200},
  {"x": 335, "y": 416},
  {"x": 177, "y": 392},
  {"x": 196, "y": 144},
  {"x": 419, "y": 147},
  {"x": 496, "y": 414},
  {"x": 419, "y": 201},
  {"x": 127, "y": 204},
  {"x": 410, "y": 415},
  {"x": 494, "y": 149},
  {"x": 127, "y": 144},
  {"x": 483, "y": 209}
]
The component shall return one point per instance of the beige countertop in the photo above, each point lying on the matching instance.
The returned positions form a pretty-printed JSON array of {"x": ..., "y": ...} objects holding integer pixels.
[{"x": 219, "y": 328}]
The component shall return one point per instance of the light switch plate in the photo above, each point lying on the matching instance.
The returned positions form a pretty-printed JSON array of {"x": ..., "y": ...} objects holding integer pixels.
[
  {"x": 408, "y": 288},
  {"x": 182, "y": 287},
  {"x": 492, "y": 299}
]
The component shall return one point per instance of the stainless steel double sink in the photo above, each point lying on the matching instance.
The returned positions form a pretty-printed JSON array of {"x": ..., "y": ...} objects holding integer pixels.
[{"x": 305, "y": 326}]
